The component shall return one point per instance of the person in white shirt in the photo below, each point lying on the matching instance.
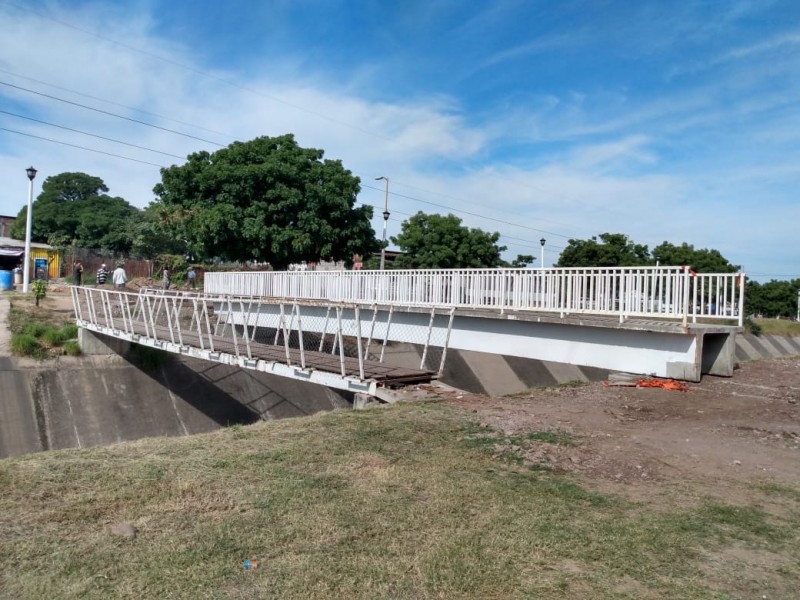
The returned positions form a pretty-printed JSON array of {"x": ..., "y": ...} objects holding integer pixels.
[{"x": 119, "y": 277}]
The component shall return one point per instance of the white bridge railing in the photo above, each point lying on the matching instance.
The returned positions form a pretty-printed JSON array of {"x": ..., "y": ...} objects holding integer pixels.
[
  {"x": 659, "y": 292},
  {"x": 334, "y": 343}
]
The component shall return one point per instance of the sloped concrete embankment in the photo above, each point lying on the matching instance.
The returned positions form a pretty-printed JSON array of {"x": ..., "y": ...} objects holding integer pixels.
[
  {"x": 751, "y": 347},
  {"x": 101, "y": 400}
]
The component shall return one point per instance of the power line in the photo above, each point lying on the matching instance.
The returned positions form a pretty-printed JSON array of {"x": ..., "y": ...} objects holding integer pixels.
[
  {"x": 111, "y": 102},
  {"x": 412, "y": 198},
  {"x": 105, "y": 112},
  {"x": 459, "y": 199},
  {"x": 505, "y": 236},
  {"x": 201, "y": 72},
  {"x": 208, "y": 141},
  {"x": 91, "y": 134},
  {"x": 38, "y": 137},
  {"x": 252, "y": 91},
  {"x": 466, "y": 212},
  {"x": 524, "y": 243}
]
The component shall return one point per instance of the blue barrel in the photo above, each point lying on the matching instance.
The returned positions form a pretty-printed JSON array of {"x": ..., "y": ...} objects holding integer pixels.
[{"x": 6, "y": 281}]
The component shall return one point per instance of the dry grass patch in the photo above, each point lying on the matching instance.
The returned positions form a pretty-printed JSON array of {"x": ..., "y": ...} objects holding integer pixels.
[{"x": 395, "y": 502}]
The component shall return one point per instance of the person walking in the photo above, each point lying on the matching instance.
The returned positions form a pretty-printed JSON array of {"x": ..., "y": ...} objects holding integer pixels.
[
  {"x": 119, "y": 277},
  {"x": 165, "y": 282},
  {"x": 191, "y": 278},
  {"x": 77, "y": 271},
  {"x": 102, "y": 274}
]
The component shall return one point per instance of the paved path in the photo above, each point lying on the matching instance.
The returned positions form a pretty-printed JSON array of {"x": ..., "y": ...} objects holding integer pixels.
[{"x": 5, "y": 334}]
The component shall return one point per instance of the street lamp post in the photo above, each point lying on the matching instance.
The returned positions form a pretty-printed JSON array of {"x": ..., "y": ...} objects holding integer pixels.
[
  {"x": 542, "y": 241},
  {"x": 26, "y": 270},
  {"x": 385, "y": 219}
]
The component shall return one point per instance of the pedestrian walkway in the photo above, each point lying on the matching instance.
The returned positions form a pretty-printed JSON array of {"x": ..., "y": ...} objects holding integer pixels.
[{"x": 5, "y": 334}]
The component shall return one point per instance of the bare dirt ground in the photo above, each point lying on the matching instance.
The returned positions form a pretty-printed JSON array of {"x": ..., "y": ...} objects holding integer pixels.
[{"x": 723, "y": 437}]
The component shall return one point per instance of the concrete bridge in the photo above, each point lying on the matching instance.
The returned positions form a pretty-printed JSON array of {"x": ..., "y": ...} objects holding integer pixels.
[{"x": 340, "y": 329}]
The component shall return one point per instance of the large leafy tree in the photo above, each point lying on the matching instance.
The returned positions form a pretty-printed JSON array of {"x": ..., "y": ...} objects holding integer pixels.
[
  {"x": 702, "y": 261},
  {"x": 437, "y": 242},
  {"x": 74, "y": 209},
  {"x": 611, "y": 250},
  {"x": 267, "y": 199}
]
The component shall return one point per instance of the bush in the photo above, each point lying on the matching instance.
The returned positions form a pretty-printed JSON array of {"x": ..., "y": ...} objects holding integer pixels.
[
  {"x": 23, "y": 344},
  {"x": 35, "y": 329},
  {"x": 72, "y": 348},
  {"x": 52, "y": 337},
  {"x": 39, "y": 289},
  {"x": 752, "y": 327},
  {"x": 69, "y": 331}
]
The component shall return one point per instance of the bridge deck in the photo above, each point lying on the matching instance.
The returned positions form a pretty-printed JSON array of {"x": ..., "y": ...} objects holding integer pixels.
[{"x": 321, "y": 361}]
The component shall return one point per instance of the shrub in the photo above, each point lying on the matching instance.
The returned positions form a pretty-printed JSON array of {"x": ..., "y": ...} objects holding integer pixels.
[
  {"x": 69, "y": 331},
  {"x": 52, "y": 337},
  {"x": 23, "y": 344},
  {"x": 752, "y": 327},
  {"x": 72, "y": 348},
  {"x": 35, "y": 329},
  {"x": 39, "y": 288}
]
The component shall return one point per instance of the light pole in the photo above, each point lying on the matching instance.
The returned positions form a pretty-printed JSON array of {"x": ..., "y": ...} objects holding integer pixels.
[
  {"x": 542, "y": 241},
  {"x": 26, "y": 269},
  {"x": 385, "y": 219},
  {"x": 798, "y": 305}
]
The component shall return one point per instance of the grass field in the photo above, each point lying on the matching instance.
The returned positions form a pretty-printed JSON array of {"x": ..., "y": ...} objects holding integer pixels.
[
  {"x": 407, "y": 501},
  {"x": 778, "y": 327}
]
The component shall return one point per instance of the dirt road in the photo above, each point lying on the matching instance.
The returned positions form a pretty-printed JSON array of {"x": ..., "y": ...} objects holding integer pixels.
[{"x": 719, "y": 438}]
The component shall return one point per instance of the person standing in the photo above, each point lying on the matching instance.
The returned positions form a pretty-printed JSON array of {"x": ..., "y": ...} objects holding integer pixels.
[
  {"x": 165, "y": 282},
  {"x": 191, "y": 278},
  {"x": 119, "y": 277},
  {"x": 102, "y": 274},
  {"x": 77, "y": 271}
]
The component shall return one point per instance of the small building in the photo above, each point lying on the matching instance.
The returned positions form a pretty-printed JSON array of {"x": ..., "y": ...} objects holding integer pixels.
[
  {"x": 45, "y": 261},
  {"x": 6, "y": 221}
]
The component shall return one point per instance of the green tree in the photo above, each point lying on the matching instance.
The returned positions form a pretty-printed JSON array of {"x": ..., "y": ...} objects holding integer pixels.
[
  {"x": 267, "y": 199},
  {"x": 772, "y": 299},
  {"x": 612, "y": 250},
  {"x": 437, "y": 242},
  {"x": 74, "y": 209},
  {"x": 702, "y": 261},
  {"x": 150, "y": 236},
  {"x": 522, "y": 261}
]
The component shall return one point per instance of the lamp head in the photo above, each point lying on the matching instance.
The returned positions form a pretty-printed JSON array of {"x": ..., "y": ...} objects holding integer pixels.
[
  {"x": 31, "y": 173},
  {"x": 386, "y": 215},
  {"x": 382, "y": 177},
  {"x": 542, "y": 241}
]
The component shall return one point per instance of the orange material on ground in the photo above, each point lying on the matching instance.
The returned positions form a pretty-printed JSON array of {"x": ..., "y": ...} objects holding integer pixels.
[{"x": 667, "y": 384}]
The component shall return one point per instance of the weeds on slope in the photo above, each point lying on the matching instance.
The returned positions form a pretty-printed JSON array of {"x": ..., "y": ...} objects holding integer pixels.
[{"x": 40, "y": 332}]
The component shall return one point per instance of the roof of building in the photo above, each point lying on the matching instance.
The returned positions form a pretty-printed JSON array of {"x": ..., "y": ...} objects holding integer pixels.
[{"x": 6, "y": 242}]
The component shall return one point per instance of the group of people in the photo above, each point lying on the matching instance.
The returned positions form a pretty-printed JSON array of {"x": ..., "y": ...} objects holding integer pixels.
[
  {"x": 191, "y": 278},
  {"x": 120, "y": 278}
]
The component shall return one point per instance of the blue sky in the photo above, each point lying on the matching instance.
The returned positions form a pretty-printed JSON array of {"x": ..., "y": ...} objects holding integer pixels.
[{"x": 665, "y": 120}]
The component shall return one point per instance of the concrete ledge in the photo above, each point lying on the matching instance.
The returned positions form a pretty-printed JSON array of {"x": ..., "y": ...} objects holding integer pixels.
[{"x": 97, "y": 344}]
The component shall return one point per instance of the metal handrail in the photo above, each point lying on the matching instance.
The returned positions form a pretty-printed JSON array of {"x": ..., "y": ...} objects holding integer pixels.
[
  {"x": 176, "y": 320},
  {"x": 671, "y": 292}
]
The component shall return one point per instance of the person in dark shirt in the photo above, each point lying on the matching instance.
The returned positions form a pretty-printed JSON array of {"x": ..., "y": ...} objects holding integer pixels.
[
  {"x": 102, "y": 274},
  {"x": 77, "y": 271}
]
